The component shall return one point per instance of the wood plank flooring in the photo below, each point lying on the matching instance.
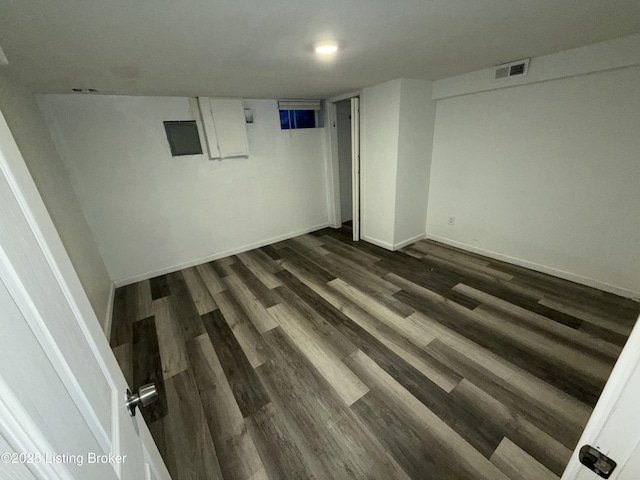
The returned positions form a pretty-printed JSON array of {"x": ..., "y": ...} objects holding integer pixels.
[{"x": 322, "y": 358}]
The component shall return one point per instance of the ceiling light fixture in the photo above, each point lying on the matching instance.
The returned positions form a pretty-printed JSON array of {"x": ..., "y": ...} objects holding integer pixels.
[{"x": 326, "y": 48}]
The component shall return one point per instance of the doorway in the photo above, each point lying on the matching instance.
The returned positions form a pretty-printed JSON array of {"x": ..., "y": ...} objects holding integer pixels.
[{"x": 347, "y": 151}]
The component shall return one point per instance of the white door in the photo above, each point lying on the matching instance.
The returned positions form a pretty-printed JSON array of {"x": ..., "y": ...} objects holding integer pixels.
[
  {"x": 355, "y": 162},
  {"x": 62, "y": 394},
  {"x": 614, "y": 426}
]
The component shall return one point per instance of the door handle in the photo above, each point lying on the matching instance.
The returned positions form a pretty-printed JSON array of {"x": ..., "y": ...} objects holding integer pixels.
[
  {"x": 596, "y": 461},
  {"x": 147, "y": 394}
]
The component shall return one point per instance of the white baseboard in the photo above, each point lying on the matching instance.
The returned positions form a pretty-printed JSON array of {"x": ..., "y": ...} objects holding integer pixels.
[
  {"x": 589, "y": 282},
  {"x": 377, "y": 242},
  {"x": 396, "y": 246},
  {"x": 409, "y": 241},
  {"x": 108, "y": 320},
  {"x": 216, "y": 256}
]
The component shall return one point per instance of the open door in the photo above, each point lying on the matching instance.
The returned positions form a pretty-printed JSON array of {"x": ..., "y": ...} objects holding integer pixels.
[
  {"x": 62, "y": 393},
  {"x": 614, "y": 427},
  {"x": 355, "y": 163}
]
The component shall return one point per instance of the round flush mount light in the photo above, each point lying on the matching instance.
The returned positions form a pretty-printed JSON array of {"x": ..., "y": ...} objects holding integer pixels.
[{"x": 325, "y": 48}]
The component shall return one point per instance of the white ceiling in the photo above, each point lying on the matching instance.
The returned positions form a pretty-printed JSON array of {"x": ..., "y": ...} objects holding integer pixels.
[{"x": 262, "y": 48}]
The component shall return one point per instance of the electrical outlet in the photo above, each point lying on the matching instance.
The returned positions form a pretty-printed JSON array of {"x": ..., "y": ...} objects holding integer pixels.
[{"x": 452, "y": 220}]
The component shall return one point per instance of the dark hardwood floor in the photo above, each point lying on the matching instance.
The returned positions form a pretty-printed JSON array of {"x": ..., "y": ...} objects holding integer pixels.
[{"x": 322, "y": 358}]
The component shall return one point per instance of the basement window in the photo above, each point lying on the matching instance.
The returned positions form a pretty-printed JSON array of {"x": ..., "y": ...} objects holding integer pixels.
[
  {"x": 183, "y": 137},
  {"x": 295, "y": 114}
]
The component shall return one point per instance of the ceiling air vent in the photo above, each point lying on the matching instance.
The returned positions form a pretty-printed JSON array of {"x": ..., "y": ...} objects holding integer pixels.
[{"x": 513, "y": 69}]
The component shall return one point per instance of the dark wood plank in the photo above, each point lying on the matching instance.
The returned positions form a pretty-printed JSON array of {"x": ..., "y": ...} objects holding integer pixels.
[
  {"x": 183, "y": 308},
  {"x": 541, "y": 446},
  {"x": 574, "y": 383},
  {"x": 332, "y": 315},
  {"x": 449, "y": 451},
  {"x": 327, "y": 429},
  {"x": 279, "y": 449},
  {"x": 147, "y": 367},
  {"x": 124, "y": 305},
  {"x": 234, "y": 446},
  {"x": 159, "y": 435},
  {"x": 300, "y": 261},
  {"x": 187, "y": 433},
  {"x": 222, "y": 267},
  {"x": 265, "y": 296},
  {"x": 335, "y": 341},
  {"x": 604, "y": 334},
  {"x": 477, "y": 431},
  {"x": 433, "y": 279},
  {"x": 271, "y": 252},
  {"x": 245, "y": 332},
  {"x": 159, "y": 287},
  {"x": 566, "y": 432},
  {"x": 399, "y": 435},
  {"x": 245, "y": 384},
  {"x": 349, "y": 251}
]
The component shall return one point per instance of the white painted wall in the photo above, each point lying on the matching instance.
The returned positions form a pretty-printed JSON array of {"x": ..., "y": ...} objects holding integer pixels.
[
  {"x": 544, "y": 175},
  {"x": 417, "y": 115},
  {"x": 380, "y": 114},
  {"x": 153, "y": 213},
  {"x": 344, "y": 159},
  {"x": 617, "y": 53},
  {"x": 32, "y": 136},
  {"x": 396, "y": 144}
]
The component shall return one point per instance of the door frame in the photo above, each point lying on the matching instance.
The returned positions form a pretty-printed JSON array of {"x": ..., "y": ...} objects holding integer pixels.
[
  {"x": 333, "y": 180},
  {"x": 355, "y": 166}
]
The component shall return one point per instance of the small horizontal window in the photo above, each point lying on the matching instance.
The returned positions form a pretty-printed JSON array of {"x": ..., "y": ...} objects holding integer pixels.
[
  {"x": 183, "y": 137},
  {"x": 292, "y": 119},
  {"x": 296, "y": 114}
]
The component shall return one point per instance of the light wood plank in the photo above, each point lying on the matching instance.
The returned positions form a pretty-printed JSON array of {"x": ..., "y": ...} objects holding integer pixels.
[
  {"x": 250, "y": 304},
  {"x": 573, "y": 359},
  {"x": 608, "y": 324},
  {"x": 537, "y": 443},
  {"x": 344, "y": 382},
  {"x": 388, "y": 336},
  {"x": 540, "y": 322},
  {"x": 446, "y": 443},
  {"x": 252, "y": 262},
  {"x": 238, "y": 456},
  {"x": 171, "y": 340},
  {"x": 430, "y": 248},
  {"x": 333, "y": 440},
  {"x": 199, "y": 292},
  {"x": 517, "y": 463},
  {"x": 210, "y": 278},
  {"x": 187, "y": 433},
  {"x": 564, "y": 411},
  {"x": 411, "y": 331}
]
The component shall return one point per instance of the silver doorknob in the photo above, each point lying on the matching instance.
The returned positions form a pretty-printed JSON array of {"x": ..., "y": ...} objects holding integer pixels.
[{"x": 146, "y": 395}]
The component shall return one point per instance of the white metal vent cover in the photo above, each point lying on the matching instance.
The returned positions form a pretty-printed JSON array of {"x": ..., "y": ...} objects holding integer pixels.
[{"x": 518, "y": 68}]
